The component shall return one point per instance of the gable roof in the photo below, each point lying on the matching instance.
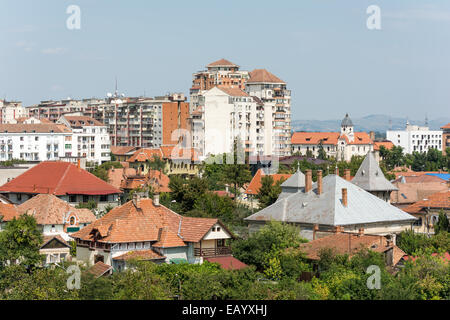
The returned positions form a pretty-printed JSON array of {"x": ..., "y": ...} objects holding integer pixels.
[
  {"x": 314, "y": 138},
  {"x": 234, "y": 91},
  {"x": 386, "y": 144},
  {"x": 370, "y": 177},
  {"x": 121, "y": 151},
  {"x": 48, "y": 239},
  {"x": 327, "y": 208},
  {"x": 447, "y": 126},
  {"x": 58, "y": 178},
  {"x": 49, "y": 209},
  {"x": 99, "y": 269},
  {"x": 255, "y": 184},
  {"x": 358, "y": 138},
  {"x": 227, "y": 262},
  {"x": 143, "y": 222},
  {"x": 34, "y": 128},
  {"x": 82, "y": 121},
  {"x": 263, "y": 76},
  {"x": 145, "y": 255}
]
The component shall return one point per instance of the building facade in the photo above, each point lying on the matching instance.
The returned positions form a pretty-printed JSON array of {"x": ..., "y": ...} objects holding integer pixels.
[
  {"x": 340, "y": 145},
  {"x": 416, "y": 138},
  {"x": 445, "y": 137},
  {"x": 11, "y": 110}
]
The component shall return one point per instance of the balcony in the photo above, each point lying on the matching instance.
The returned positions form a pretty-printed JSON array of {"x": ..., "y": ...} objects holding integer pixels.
[{"x": 212, "y": 252}]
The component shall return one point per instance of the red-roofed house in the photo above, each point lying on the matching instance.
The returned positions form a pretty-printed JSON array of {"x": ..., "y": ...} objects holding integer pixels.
[
  {"x": 144, "y": 229},
  {"x": 341, "y": 145},
  {"x": 64, "y": 180},
  {"x": 253, "y": 187}
]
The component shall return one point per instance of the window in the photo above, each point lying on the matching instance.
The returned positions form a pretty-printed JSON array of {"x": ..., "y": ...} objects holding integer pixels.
[
  {"x": 104, "y": 198},
  {"x": 72, "y": 198}
]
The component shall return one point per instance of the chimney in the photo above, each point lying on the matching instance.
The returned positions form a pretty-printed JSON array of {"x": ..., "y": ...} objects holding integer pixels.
[
  {"x": 347, "y": 174},
  {"x": 337, "y": 229},
  {"x": 344, "y": 197},
  {"x": 156, "y": 199},
  {"x": 337, "y": 170},
  {"x": 372, "y": 135},
  {"x": 136, "y": 198},
  {"x": 315, "y": 229},
  {"x": 319, "y": 182},
  {"x": 78, "y": 163},
  {"x": 308, "y": 182}
]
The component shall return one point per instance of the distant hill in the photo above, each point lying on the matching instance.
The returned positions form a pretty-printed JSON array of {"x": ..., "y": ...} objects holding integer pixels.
[{"x": 375, "y": 122}]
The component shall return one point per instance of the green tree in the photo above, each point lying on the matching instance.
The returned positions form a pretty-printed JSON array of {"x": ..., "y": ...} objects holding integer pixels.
[
  {"x": 442, "y": 225},
  {"x": 20, "y": 242},
  {"x": 269, "y": 191}
]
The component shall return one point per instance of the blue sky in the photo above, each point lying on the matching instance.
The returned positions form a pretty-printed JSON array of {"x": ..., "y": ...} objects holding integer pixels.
[{"x": 332, "y": 63}]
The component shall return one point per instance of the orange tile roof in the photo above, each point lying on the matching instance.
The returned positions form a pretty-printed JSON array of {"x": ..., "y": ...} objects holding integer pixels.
[
  {"x": 99, "y": 269},
  {"x": 264, "y": 76},
  {"x": 439, "y": 200},
  {"x": 164, "y": 152},
  {"x": 128, "y": 223},
  {"x": 121, "y": 151},
  {"x": 234, "y": 91},
  {"x": 140, "y": 255},
  {"x": 34, "y": 128},
  {"x": 411, "y": 192},
  {"x": 359, "y": 138},
  {"x": 8, "y": 212},
  {"x": 82, "y": 121},
  {"x": 347, "y": 243},
  {"x": 49, "y": 209},
  {"x": 58, "y": 178},
  {"x": 145, "y": 154},
  {"x": 221, "y": 62},
  {"x": 315, "y": 137},
  {"x": 255, "y": 184},
  {"x": 227, "y": 262},
  {"x": 447, "y": 126},
  {"x": 387, "y": 144},
  {"x": 168, "y": 239}
]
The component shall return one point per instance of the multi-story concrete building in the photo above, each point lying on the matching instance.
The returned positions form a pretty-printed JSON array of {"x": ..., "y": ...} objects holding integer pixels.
[
  {"x": 53, "y": 110},
  {"x": 264, "y": 117},
  {"x": 33, "y": 142},
  {"x": 90, "y": 139},
  {"x": 445, "y": 137},
  {"x": 11, "y": 110},
  {"x": 340, "y": 145},
  {"x": 416, "y": 138}
]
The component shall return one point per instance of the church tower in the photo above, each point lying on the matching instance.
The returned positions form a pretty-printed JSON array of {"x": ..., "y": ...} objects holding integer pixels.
[{"x": 347, "y": 127}]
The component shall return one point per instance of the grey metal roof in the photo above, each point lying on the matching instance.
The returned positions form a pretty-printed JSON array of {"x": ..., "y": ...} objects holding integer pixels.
[
  {"x": 346, "y": 121},
  {"x": 327, "y": 208},
  {"x": 292, "y": 185},
  {"x": 370, "y": 177}
]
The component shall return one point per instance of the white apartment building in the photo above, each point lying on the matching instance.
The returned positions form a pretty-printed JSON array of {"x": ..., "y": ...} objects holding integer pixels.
[
  {"x": 33, "y": 142},
  {"x": 226, "y": 114},
  {"x": 416, "y": 138},
  {"x": 90, "y": 139},
  {"x": 11, "y": 110},
  {"x": 275, "y": 109}
]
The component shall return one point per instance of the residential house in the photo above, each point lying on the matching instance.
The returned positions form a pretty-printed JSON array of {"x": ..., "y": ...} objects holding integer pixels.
[
  {"x": 65, "y": 180},
  {"x": 122, "y": 154},
  {"x": 55, "y": 249},
  {"x": 144, "y": 229},
  {"x": 331, "y": 202},
  {"x": 427, "y": 211}
]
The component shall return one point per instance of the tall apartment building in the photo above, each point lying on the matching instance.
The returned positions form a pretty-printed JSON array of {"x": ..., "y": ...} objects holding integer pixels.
[
  {"x": 11, "y": 110},
  {"x": 53, "y": 110},
  {"x": 445, "y": 137},
  {"x": 416, "y": 138},
  {"x": 144, "y": 122},
  {"x": 265, "y": 109}
]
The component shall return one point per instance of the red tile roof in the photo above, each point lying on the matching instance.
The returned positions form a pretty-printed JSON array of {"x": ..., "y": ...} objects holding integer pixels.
[
  {"x": 329, "y": 138},
  {"x": 447, "y": 126},
  {"x": 144, "y": 222},
  {"x": 255, "y": 184},
  {"x": 234, "y": 92},
  {"x": 263, "y": 76},
  {"x": 439, "y": 200},
  {"x": 99, "y": 269},
  {"x": 121, "y": 151},
  {"x": 164, "y": 152},
  {"x": 34, "y": 128},
  {"x": 227, "y": 262},
  {"x": 82, "y": 121},
  {"x": 8, "y": 212},
  {"x": 168, "y": 239},
  {"x": 58, "y": 178}
]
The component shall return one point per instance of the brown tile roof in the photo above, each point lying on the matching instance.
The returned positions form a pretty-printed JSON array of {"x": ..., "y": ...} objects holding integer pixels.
[
  {"x": 23, "y": 119},
  {"x": 387, "y": 144},
  {"x": 220, "y": 63},
  {"x": 58, "y": 178},
  {"x": 423, "y": 178},
  {"x": 234, "y": 91},
  {"x": 128, "y": 223},
  {"x": 154, "y": 178},
  {"x": 145, "y": 154},
  {"x": 47, "y": 239},
  {"x": 164, "y": 152},
  {"x": 8, "y": 211},
  {"x": 117, "y": 175},
  {"x": 140, "y": 255},
  {"x": 34, "y": 128},
  {"x": 227, "y": 262},
  {"x": 49, "y": 209},
  {"x": 439, "y": 200},
  {"x": 411, "y": 192},
  {"x": 121, "y": 151},
  {"x": 99, "y": 269},
  {"x": 264, "y": 76},
  {"x": 255, "y": 184},
  {"x": 344, "y": 243},
  {"x": 412, "y": 173},
  {"x": 82, "y": 121}
]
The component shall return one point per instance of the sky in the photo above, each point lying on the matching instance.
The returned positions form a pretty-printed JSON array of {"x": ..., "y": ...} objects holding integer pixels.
[{"x": 323, "y": 49}]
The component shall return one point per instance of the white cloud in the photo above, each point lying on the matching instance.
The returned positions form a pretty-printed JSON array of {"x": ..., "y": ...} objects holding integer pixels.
[{"x": 54, "y": 51}]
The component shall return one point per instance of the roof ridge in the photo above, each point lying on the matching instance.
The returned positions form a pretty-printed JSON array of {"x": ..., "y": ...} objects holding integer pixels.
[{"x": 62, "y": 178}]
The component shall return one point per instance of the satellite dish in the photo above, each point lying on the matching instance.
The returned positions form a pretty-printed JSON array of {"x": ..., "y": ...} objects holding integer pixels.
[{"x": 109, "y": 94}]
